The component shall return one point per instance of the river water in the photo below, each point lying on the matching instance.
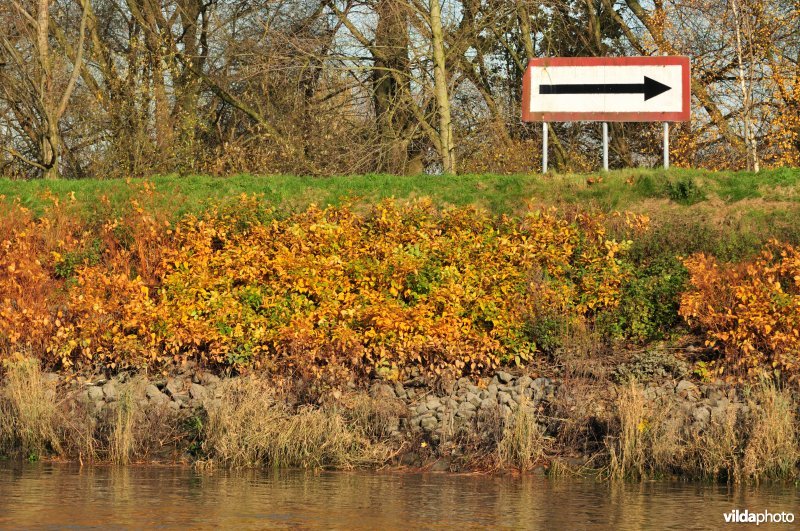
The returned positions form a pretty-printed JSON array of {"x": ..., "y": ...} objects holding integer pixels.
[{"x": 46, "y": 495}]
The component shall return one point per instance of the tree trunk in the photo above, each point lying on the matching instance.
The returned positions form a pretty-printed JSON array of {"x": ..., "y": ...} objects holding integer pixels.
[
  {"x": 390, "y": 86},
  {"x": 49, "y": 142},
  {"x": 440, "y": 90},
  {"x": 749, "y": 134}
]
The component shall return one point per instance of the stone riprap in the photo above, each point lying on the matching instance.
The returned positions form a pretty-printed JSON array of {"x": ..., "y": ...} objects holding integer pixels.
[{"x": 431, "y": 411}]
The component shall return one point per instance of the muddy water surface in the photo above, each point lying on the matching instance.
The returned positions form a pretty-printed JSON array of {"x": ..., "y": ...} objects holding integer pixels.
[{"x": 44, "y": 495}]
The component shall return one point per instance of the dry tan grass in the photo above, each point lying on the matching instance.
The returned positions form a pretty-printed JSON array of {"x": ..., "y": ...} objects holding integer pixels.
[
  {"x": 523, "y": 442},
  {"x": 715, "y": 452},
  {"x": 734, "y": 447},
  {"x": 125, "y": 439},
  {"x": 248, "y": 427},
  {"x": 627, "y": 451},
  {"x": 647, "y": 440},
  {"x": 772, "y": 450},
  {"x": 28, "y": 409},
  {"x": 376, "y": 418}
]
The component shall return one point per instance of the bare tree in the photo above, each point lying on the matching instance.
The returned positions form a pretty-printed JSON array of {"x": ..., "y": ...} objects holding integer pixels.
[{"x": 39, "y": 97}]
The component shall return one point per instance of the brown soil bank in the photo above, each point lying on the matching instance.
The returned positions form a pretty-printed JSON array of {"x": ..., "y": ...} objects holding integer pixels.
[{"x": 643, "y": 419}]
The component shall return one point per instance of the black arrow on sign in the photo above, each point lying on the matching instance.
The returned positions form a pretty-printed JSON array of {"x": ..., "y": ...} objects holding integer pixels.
[{"x": 650, "y": 88}]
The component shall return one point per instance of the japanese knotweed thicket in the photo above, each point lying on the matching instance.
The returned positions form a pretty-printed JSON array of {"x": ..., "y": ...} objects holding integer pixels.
[
  {"x": 320, "y": 292},
  {"x": 749, "y": 312}
]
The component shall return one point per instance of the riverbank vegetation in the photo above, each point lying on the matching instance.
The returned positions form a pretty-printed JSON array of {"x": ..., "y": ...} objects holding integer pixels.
[
  {"x": 261, "y": 421},
  {"x": 145, "y": 277},
  {"x": 763, "y": 442},
  {"x": 385, "y": 288}
]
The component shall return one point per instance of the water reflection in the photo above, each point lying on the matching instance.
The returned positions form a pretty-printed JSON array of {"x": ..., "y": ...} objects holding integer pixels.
[{"x": 53, "y": 495}]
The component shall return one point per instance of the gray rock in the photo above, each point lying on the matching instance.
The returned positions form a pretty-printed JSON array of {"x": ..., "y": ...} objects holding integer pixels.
[
  {"x": 428, "y": 423},
  {"x": 155, "y": 396},
  {"x": 529, "y": 394},
  {"x": 175, "y": 386},
  {"x": 465, "y": 414},
  {"x": 421, "y": 409},
  {"x": 208, "y": 379},
  {"x": 399, "y": 390},
  {"x": 488, "y": 403},
  {"x": 473, "y": 399},
  {"x": 181, "y": 398},
  {"x": 701, "y": 414},
  {"x": 466, "y": 406},
  {"x": 504, "y": 377},
  {"x": 50, "y": 378},
  {"x": 719, "y": 413},
  {"x": 442, "y": 465},
  {"x": 50, "y": 393},
  {"x": 94, "y": 393},
  {"x": 433, "y": 402},
  {"x": 151, "y": 391},
  {"x": 540, "y": 385},
  {"x": 524, "y": 381},
  {"x": 110, "y": 391},
  {"x": 685, "y": 386},
  {"x": 448, "y": 386},
  {"x": 504, "y": 397},
  {"x": 197, "y": 392},
  {"x": 491, "y": 390},
  {"x": 382, "y": 390},
  {"x": 173, "y": 405},
  {"x": 715, "y": 394}
]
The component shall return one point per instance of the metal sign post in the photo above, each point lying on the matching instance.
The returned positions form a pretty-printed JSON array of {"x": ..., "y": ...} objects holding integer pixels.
[
  {"x": 666, "y": 145},
  {"x": 544, "y": 147},
  {"x": 605, "y": 146}
]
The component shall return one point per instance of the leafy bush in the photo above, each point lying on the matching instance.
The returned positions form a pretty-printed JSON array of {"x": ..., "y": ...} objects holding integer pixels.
[
  {"x": 649, "y": 302},
  {"x": 684, "y": 190},
  {"x": 750, "y": 312},
  {"x": 320, "y": 292}
]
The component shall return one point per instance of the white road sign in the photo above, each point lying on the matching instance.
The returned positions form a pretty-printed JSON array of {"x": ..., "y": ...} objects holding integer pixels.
[{"x": 624, "y": 89}]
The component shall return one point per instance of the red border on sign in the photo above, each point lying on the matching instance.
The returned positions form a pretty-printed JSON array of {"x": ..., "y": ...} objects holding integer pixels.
[{"x": 682, "y": 116}]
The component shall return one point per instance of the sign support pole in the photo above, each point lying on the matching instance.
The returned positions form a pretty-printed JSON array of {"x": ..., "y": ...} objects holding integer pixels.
[
  {"x": 666, "y": 145},
  {"x": 605, "y": 146},
  {"x": 544, "y": 147}
]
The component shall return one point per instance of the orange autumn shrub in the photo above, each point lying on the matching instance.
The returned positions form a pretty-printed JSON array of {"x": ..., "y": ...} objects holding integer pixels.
[
  {"x": 24, "y": 281},
  {"x": 327, "y": 290},
  {"x": 67, "y": 285},
  {"x": 750, "y": 312},
  {"x": 107, "y": 322},
  {"x": 318, "y": 293}
]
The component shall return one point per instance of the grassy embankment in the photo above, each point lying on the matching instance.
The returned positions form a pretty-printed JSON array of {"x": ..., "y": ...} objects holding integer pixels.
[
  {"x": 618, "y": 189},
  {"x": 729, "y": 214}
]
